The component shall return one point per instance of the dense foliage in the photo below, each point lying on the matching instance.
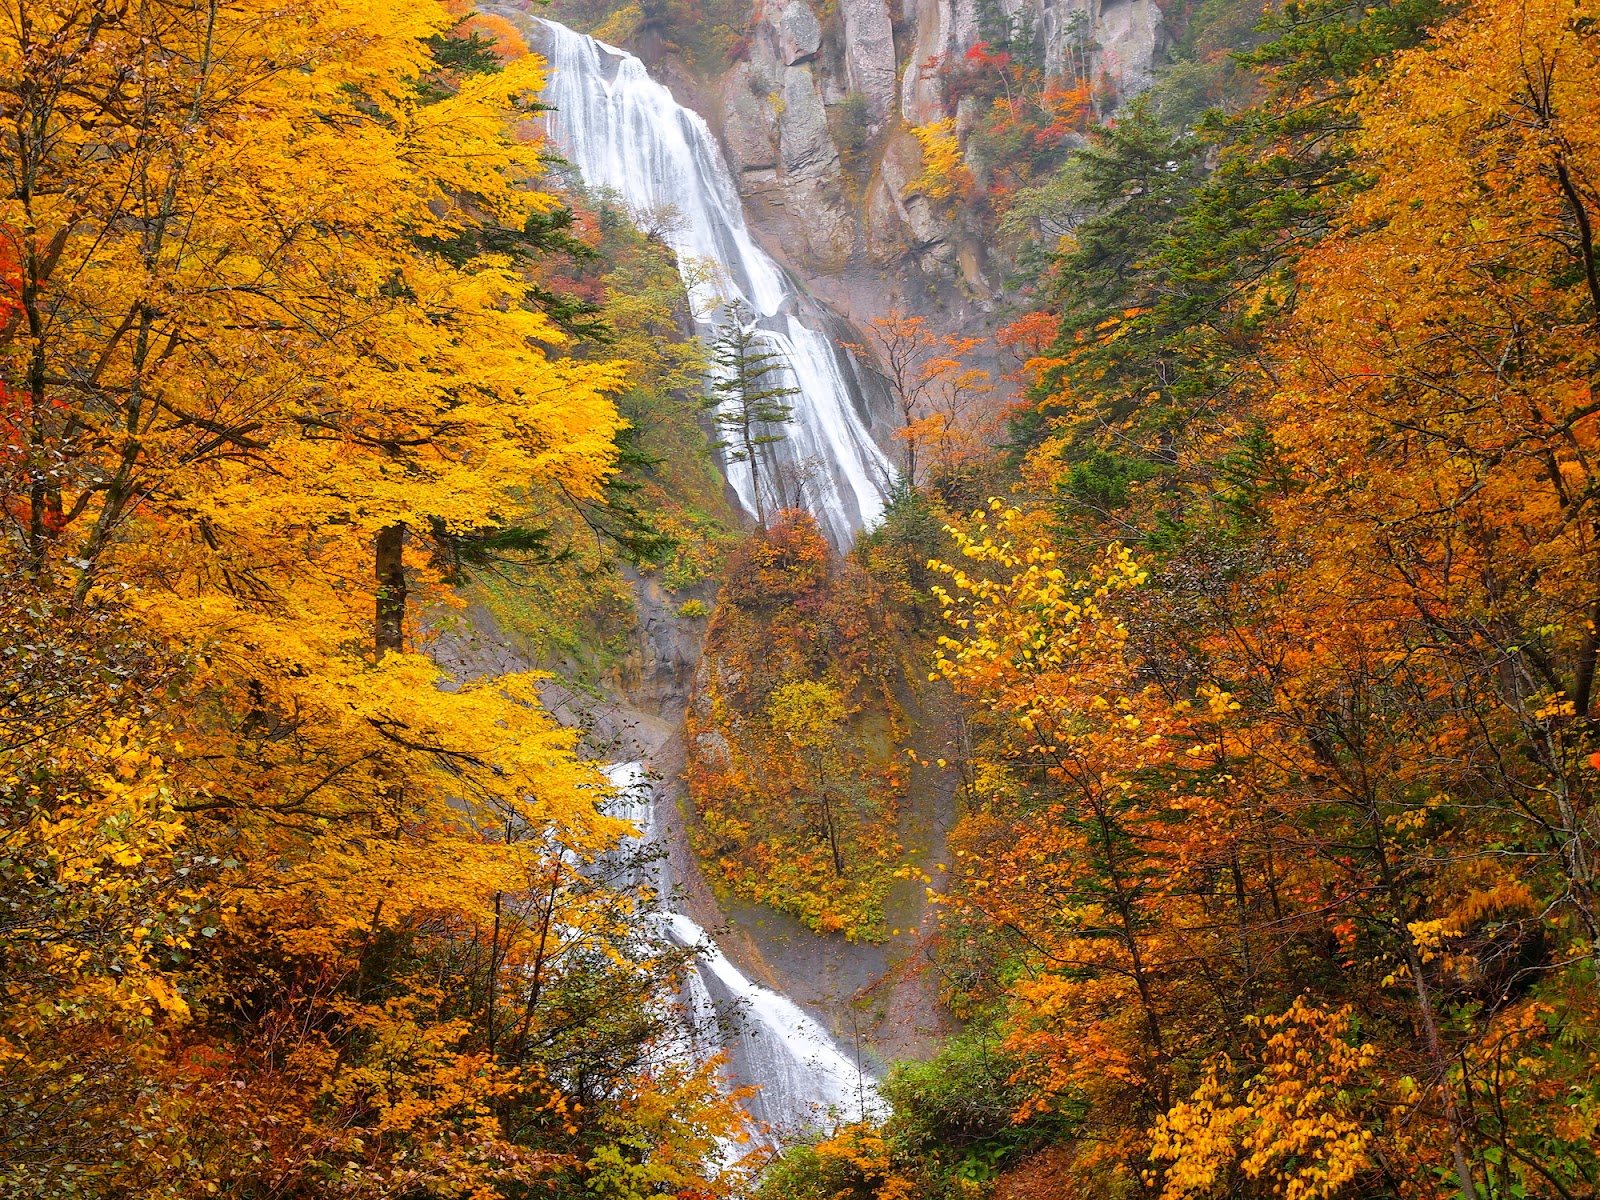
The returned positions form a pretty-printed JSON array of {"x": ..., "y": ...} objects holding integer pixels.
[
  {"x": 1275, "y": 874},
  {"x": 288, "y": 911},
  {"x": 793, "y": 732},
  {"x": 1266, "y": 686}
]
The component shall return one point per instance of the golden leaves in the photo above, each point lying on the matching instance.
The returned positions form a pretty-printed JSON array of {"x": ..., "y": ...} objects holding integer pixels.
[
  {"x": 1295, "y": 1123},
  {"x": 945, "y": 175},
  {"x": 273, "y": 269}
]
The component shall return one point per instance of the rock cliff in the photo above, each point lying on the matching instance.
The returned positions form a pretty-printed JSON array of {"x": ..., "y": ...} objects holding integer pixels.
[
  {"x": 815, "y": 112},
  {"x": 816, "y": 120}
]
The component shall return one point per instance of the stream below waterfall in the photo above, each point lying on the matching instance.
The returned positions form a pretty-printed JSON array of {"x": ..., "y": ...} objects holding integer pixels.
[
  {"x": 626, "y": 136},
  {"x": 805, "y": 1080}
]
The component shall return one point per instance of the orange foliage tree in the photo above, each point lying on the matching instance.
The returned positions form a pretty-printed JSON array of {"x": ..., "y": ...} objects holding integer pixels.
[
  {"x": 1283, "y": 822},
  {"x": 940, "y": 398},
  {"x": 791, "y": 733}
]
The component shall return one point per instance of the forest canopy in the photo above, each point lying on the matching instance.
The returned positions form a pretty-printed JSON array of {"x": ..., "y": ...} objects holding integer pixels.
[
  {"x": 289, "y": 909},
  {"x": 1274, "y": 651}
]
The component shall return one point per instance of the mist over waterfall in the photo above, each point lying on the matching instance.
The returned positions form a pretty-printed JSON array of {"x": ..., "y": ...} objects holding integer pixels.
[{"x": 624, "y": 132}]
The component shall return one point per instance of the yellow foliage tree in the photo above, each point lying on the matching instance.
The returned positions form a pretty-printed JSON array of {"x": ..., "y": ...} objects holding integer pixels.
[
  {"x": 945, "y": 177},
  {"x": 271, "y": 355},
  {"x": 1296, "y": 1124}
]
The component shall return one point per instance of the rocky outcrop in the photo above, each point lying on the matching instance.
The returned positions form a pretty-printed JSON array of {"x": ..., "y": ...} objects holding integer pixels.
[
  {"x": 898, "y": 219},
  {"x": 932, "y": 34},
  {"x": 869, "y": 57},
  {"x": 816, "y": 121},
  {"x": 776, "y": 131},
  {"x": 799, "y": 34},
  {"x": 1117, "y": 38}
]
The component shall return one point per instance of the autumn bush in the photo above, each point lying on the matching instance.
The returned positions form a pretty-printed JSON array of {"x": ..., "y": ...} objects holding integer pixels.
[{"x": 793, "y": 733}]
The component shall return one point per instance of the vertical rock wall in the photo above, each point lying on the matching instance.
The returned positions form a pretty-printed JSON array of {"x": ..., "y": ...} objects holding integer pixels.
[{"x": 816, "y": 119}]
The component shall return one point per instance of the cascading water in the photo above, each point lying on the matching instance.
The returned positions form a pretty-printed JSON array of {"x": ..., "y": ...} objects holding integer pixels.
[
  {"x": 624, "y": 132},
  {"x": 805, "y": 1079}
]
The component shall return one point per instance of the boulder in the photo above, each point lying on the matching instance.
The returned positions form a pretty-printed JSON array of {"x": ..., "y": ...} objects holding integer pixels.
[
  {"x": 869, "y": 54},
  {"x": 799, "y": 34}
]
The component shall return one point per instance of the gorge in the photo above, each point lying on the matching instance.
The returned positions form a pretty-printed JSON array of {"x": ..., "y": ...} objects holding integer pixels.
[
  {"x": 799, "y": 600},
  {"x": 626, "y": 135}
]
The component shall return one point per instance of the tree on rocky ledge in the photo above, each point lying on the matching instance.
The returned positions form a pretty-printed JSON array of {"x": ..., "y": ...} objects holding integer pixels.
[{"x": 749, "y": 399}]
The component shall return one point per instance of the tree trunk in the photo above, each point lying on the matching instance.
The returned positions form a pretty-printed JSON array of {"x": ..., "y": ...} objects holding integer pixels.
[
  {"x": 389, "y": 627},
  {"x": 755, "y": 475},
  {"x": 833, "y": 835},
  {"x": 1437, "y": 1057},
  {"x": 911, "y": 447}
]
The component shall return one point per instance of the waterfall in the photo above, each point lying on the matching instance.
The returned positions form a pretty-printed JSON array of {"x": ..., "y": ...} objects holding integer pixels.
[
  {"x": 806, "y": 1080},
  {"x": 625, "y": 133}
]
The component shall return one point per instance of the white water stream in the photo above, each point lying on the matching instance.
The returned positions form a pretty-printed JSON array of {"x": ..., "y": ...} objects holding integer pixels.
[
  {"x": 806, "y": 1080},
  {"x": 625, "y": 133}
]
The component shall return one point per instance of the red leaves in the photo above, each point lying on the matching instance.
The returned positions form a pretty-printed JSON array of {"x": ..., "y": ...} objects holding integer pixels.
[
  {"x": 983, "y": 56},
  {"x": 10, "y": 275}
]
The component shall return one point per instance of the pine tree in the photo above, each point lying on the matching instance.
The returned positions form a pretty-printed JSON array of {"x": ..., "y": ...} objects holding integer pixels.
[{"x": 748, "y": 401}]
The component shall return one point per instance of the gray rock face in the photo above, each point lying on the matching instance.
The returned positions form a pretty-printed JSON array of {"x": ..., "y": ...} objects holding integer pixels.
[
  {"x": 921, "y": 96},
  {"x": 775, "y": 129},
  {"x": 812, "y": 187},
  {"x": 869, "y": 54},
  {"x": 1115, "y": 38},
  {"x": 900, "y": 221},
  {"x": 748, "y": 122},
  {"x": 799, "y": 34},
  {"x": 784, "y": 141},
  {"x": 1118, "y": 38},
  {"x": 803, "y": 136},
  {"x": 1129, "y": 32}
]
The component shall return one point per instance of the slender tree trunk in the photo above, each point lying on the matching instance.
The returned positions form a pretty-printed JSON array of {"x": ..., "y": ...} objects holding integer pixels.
[
  {"x": 754, "y": 460},
  {"x": 494, "y": 976},
  {"x": 779, "y": 492},
  {"x": 1430, "y": 1024},
  {"x": 906, "y": 412},
  {"x": 38, "y": 523},
  {"x": 1242, "y": 915},
  {"x": 833, "y": 834},
  {"x": 1123, "y": 903},
  {"x": 389, "y": 626},
  {"x": 536, "y": 977}
]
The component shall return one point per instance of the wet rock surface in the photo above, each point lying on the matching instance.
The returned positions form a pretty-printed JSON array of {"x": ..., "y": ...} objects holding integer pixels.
[{"x": 876, "y": 1000}]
